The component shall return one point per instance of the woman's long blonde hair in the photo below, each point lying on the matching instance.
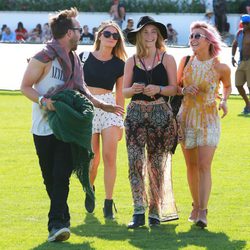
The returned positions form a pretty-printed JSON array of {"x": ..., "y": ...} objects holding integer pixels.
[
  {"x": 141, "y": 51},
  {"x": 119, "y": 49}
]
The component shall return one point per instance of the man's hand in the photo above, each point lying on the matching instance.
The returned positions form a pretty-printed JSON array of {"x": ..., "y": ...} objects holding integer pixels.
[
  {"x": 47, "y": 104},
  {"x": 116, "y": 109}
]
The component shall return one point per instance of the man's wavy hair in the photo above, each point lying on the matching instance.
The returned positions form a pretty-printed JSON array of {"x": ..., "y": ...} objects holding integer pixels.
[
  {"x": 62, "y": 22},
  {"x": 212, "y": 35}
]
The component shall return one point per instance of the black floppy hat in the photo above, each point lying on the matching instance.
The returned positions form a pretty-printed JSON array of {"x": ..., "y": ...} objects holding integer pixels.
[{"x": 145, "y": 20}]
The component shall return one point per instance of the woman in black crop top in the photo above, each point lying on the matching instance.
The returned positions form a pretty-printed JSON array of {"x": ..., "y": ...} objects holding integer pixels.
[
  {"x": 149, "y": 125},
  {"x": 103, "y": 70}
]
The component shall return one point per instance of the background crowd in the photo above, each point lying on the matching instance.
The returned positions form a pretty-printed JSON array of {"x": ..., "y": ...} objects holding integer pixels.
[{"x": 215, "y": 15}]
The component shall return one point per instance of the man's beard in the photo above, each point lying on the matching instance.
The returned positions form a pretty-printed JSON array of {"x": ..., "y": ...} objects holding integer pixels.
[
  {"x": 74, "y": 48},
  {"x": 74, "y": 45}
]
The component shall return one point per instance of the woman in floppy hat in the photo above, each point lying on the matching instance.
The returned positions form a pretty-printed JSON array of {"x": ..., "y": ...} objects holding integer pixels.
[{"x": 149, "y": 125}]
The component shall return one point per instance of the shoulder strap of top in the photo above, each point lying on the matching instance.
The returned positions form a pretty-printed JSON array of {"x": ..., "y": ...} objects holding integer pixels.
[
  {"x": 134, "y": 60},
  {"x": 163, "y": 56}
]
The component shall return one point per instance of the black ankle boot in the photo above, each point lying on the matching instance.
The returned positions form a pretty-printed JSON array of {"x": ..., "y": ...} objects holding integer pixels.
[
  {"x": 89, "y": 202},
  {"x": 152, "y": 222},
  {"x": 137, "y": 221},
  {"x": 108, "y": 209}
]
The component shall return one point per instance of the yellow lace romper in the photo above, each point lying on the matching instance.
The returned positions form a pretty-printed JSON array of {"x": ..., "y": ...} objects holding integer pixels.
[{"x": 198, "y": 115}]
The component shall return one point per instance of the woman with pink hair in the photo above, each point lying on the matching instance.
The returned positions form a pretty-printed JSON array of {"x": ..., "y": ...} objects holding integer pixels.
[{"x": 198, "y": 116}]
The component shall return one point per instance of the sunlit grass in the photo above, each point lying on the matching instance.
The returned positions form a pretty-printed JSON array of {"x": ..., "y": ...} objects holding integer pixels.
[{"x": 24, "y": 203}]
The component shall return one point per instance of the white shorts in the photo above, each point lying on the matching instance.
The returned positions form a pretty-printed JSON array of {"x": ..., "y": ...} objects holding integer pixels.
[{"x": 104, "y": 119}]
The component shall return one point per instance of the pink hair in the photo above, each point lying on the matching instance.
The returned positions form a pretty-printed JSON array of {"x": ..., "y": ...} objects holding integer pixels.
[{"x": 212, "y": 35}]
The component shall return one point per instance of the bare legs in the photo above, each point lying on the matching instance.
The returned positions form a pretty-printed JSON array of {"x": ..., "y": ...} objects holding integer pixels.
[
  {"x": 192, "y": 173},
  {"x": 96, "y": 160},
  {"x": 205, "y": 154},
  {"x": 110, "y": 138},
  {"x": 199, "y": 161}
]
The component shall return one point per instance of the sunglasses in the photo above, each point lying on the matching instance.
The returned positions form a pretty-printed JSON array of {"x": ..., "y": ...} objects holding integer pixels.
[
  {"x": 245, "y": 23},
  {"x": 79, "y": 29},
  {"x": 108, "y": 34},
  {"x": 196, "y": 36}
]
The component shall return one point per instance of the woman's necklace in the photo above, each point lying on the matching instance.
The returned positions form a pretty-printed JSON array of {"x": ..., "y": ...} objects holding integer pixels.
[
  {"x": 149, "y": 75},
  {"x": 149, "y": 67}
]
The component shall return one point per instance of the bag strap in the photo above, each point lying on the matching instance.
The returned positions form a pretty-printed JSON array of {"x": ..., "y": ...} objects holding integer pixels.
[
  {"x": 186, "y": 61},
  {"x": 84, "y": 56},
  {"x": 185, "y": 64}
]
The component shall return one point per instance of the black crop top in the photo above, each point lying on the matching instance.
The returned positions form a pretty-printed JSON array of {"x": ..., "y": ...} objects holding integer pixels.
[
  {"x": 159, "y": 77},
  {"x": 102, "y": 74}
]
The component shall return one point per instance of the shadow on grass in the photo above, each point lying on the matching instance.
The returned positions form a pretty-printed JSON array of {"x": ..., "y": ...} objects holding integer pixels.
[
  {"x": 163, "y": 237},
  {"x": 209, "y": 240},
  {"x": 244, "y": 116},
  {"x": 63, "y": 246}
]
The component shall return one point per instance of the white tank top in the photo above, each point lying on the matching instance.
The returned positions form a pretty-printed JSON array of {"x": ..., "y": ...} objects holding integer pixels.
[{"x": 40, "y": 125}]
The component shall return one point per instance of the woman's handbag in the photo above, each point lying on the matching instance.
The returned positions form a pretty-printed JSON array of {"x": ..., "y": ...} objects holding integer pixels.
[{"x": 175, "y": 101}]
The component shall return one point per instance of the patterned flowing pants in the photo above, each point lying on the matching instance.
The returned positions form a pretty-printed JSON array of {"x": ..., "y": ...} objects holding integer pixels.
[{"x": 150, "y": 135}]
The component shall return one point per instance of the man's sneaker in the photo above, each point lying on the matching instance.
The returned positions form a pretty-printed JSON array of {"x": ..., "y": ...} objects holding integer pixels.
[
  {"x": 59, "y": 234},
  {"x": 246, "y": 111},
  {"x": 89, "y": 202}
]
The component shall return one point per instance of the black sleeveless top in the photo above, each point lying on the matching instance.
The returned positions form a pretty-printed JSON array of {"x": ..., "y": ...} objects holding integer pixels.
[
  {"x": 102, "y": 74},
  {"x": 158, "y": 75}
]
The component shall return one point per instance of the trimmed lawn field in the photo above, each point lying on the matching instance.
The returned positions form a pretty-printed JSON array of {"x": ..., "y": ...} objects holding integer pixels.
[{"x": 24, "y": 203}]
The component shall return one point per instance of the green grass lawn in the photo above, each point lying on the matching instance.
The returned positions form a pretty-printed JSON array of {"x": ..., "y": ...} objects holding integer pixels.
[{"x": 24, "y": 203}]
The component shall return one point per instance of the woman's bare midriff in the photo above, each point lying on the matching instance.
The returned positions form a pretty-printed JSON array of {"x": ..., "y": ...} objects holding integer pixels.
[{"x": 98, "y": 91}]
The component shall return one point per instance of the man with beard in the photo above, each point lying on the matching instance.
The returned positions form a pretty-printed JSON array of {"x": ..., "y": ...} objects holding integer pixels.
[
  {"x": 242, "y": 74},
  {"x": 52, "y": 70}
]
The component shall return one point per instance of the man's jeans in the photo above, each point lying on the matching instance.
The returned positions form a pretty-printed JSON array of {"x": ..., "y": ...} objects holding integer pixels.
[{"x": 55, "y": 160}]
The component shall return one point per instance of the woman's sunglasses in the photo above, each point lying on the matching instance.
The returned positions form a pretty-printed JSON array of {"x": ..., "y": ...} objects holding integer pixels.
[
  {"x": 108, "y": 34},
  {"x": 196, "y": 36}
]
